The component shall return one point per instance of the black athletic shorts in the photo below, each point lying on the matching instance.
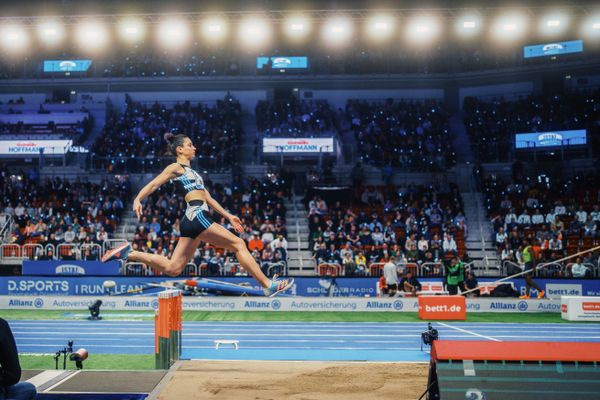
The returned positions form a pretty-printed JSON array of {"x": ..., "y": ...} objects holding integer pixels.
[{"x": 195, "y": 221}]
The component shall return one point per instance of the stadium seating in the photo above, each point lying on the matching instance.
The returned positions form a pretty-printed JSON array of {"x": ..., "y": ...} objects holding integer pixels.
[
  {"x": 491, "y": 125},
  {"x": 412, "y": 135},
  {"x": 562, "y": 216},
  {"x": 59, "y": 218},
  {"x": 133, "y": 141},
  {"x": 407, "y": 224}
]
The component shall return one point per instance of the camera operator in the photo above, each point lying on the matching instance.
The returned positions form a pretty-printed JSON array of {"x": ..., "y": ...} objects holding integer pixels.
[{"x": 10, "y": 369}]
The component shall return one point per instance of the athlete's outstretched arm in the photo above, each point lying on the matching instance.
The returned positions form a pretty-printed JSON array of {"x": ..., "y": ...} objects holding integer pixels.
[
  {"x": 168, "y": 173},
  {"x": 235, "y": 221}
]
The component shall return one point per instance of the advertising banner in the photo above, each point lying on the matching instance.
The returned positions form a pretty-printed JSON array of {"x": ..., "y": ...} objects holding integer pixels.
[
  {"x": 553, "y": 49},
  {"x": 437, "y": 308},
  {"x": 29, "y": 147},
  {"x": 550, "y": 139},
  {"x": 580, "y": 308},
  {"x": 305, "y": 287},
  {"x": 282, "y": 62},
  {"x": 298, "y": 145},
  {"x": 71, "y": 267},
  {"x": 67, "y": 65},
  {"x": 321, "y": 304}
]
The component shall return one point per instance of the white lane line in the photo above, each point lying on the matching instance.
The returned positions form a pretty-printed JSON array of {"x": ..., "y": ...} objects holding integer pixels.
[{"x": 469, "y": 332}]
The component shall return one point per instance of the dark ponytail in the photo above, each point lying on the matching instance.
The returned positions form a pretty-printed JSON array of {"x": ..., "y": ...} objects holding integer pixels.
[{"x": 174, "y": 141}]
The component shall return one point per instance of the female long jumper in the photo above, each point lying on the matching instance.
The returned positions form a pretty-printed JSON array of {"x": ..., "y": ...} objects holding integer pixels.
[{"x": 196, "y": 224}]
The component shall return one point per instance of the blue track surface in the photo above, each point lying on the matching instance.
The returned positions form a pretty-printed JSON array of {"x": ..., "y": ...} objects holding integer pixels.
[{"x": 284, "y": 340}]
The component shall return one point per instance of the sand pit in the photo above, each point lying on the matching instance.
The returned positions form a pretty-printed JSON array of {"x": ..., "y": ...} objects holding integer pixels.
[{"x": 262, "y": 380}]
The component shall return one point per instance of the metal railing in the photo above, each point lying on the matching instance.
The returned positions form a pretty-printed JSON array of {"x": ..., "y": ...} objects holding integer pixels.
[
  {"x": 33, "y": 251},
  {"x": 6, "y": 226},
  {"x": 330, "y": 269}
]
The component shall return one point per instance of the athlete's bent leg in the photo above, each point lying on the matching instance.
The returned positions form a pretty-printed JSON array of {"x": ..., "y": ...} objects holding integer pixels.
[
  {"x": 221, "y": 237},
  {"x": 181, "y": 256}
]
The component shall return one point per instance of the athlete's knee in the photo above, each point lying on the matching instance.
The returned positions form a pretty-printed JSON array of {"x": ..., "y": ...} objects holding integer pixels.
[
  {"x": 238, "y": 244},
  {"x": 175, "y": 267}
]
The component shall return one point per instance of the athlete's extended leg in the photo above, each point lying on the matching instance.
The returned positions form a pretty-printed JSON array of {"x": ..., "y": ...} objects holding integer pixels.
[
  {"x": 221, "y": 237},
  {"x": 181, "y": 256}
]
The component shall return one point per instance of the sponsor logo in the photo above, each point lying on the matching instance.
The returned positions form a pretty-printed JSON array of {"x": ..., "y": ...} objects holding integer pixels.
[
  {"x": 444, "y": 308},
  {"x": 38, "y": 303},
  {"x": 560, "y": 289},
  {"x": 497, "y": 305},
  {"x": 38, "y": 286},
  {"x": 281, "y": 62},
  {"x": 590, "y": 306},
  {"x": 138, "y": 303},
  {"x": 276, "y": 304},
  {"x": 549, "y": 139},
  {"x": 522, "y": 306},
  {"x": 20, "y": 303},
  {"x": 398, "y": 305},
  {"x": 154, "y": 304},
  {"x": 379, "y": 304},
  {"x": 257, "y": 304},
  {"x": 473, "y": 306},
  {"x": 552, "y": 48},
  {"x": 70, "y": 269}
]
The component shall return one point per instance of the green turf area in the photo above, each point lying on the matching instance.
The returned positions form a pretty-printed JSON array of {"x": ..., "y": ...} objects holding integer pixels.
[
  {"x": 95, "y": 361},
  {"x": 302, "y": 316}
]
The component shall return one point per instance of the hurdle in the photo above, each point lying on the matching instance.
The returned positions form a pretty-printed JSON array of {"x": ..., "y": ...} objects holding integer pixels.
[{"x": 168, "y": 328}]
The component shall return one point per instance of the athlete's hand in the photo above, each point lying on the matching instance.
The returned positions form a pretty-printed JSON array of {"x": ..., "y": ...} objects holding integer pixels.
[
  {"x": 236, "y": 223},
  {"x": 137, "y": 208}
]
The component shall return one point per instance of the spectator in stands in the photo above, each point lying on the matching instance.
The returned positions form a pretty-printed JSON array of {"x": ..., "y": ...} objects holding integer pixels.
[
  {"x": 471, "y": 283},
  {"x": 409, "y": 283},
  {"x": 579, "y": 270},
  {"x": 524, "y": 219},
  {"x": 449, "y": 244},
  {"x": 361, "y": 263},
  {"x": 10, "y": 368},
  {"x": 348, "y": 264},
  {"x": 255, "y": 243},
  {"x": 590, "y": 227}
]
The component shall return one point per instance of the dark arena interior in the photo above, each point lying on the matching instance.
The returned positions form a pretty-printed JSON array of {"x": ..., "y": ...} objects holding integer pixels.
[{"x": 299, "y": 200}]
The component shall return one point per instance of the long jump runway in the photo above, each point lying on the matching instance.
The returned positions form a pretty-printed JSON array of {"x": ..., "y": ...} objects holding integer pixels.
[{"x": 319, "y": 341}]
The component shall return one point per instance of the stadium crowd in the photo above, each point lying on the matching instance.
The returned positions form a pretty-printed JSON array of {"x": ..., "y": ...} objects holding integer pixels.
[
  {"x": 293, "y": 118},
  {"x": 57, "y": 211},
  {"x": 557, "y": 217},
  {"x": 134, "y": 139},
  {"x": 418, "y": 225},
  {"x": 412, "y": 135},
  {"x": 491, "y": 125}
]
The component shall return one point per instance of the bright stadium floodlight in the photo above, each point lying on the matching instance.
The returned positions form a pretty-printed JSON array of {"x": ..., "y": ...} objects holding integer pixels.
[
  {"x": 131, "y": 30},
  {"x": 338, "y": 31},
  {"x": 297, "y": 27},
  {"x": 423, "y": 29},
  {"x": 590, "y": 28},
  {"x": 91, "y": 35},
  {"x": 51, "y": 33},
  {"x": 14, "y": 38},
  {"x": 255, "y": 32},
  {"x": 173, "y": 33},
  {"x": 554, "y": 24},
  {"x": 509, "y": 27},
  {"x": 214, "y": 29},
  {"x": 380, "y": 27},
  {"x": 468, "y": 25}
]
